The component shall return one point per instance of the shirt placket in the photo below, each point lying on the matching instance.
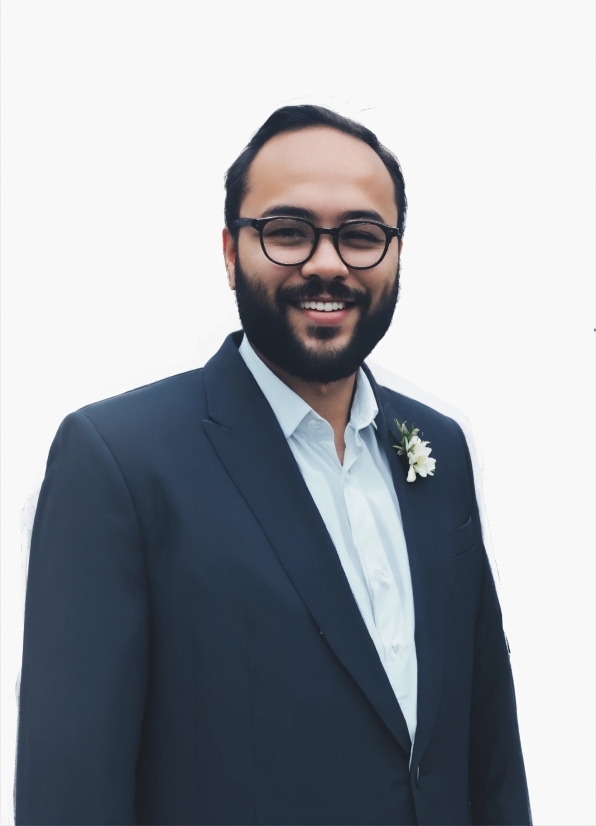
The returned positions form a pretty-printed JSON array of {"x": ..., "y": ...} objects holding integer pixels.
[{"x": 383, "y": 591}]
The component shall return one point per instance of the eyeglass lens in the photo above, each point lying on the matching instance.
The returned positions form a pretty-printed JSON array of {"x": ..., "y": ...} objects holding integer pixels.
[{"x": 290, "y": 241}]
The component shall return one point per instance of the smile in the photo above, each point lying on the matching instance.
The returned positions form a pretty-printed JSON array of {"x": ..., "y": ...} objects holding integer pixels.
[
  {"x": 325, "y": 313},
  {"x": 322, "y": 306}
]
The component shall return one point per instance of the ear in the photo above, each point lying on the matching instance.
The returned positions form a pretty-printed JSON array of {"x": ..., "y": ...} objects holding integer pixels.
[{"x": 229, "y": 251}]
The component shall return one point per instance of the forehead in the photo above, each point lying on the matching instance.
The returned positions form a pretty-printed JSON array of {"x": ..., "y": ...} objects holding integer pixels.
[{"x": 319, "y": 169}]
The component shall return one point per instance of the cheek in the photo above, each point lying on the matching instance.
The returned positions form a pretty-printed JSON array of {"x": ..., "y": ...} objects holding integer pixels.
[
  {"x": 255, "y": 263},
  {"x": 390, "y": 262},
  {"x": 258, "y": 269},
  {"x": 380, "y": 281},
  {"x": 250, "y": 254}
]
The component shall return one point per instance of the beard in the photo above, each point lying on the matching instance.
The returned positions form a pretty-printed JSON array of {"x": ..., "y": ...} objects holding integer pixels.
[{"x": 267, "y": 326}]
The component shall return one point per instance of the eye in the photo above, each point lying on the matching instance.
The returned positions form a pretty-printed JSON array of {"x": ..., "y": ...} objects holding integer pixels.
[
  {"x": 287, "y": 232},
  {"x": 362, "y": 236}
]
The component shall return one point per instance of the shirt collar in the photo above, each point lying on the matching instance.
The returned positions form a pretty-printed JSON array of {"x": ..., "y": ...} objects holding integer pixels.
[
  {"x": 290, "y": 409},
  {"x": 364, "y": 406}
]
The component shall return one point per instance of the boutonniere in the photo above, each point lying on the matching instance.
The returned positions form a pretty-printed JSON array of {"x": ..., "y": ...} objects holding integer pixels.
[{"x": 416, "y": 451}]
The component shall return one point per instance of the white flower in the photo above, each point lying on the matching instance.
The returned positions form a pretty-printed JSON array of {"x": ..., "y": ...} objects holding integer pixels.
[
  {"x": 417, "y": 452},
  {"x": 419, "y": 458}
]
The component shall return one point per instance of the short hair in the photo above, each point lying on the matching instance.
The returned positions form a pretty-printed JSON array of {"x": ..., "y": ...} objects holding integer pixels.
[{"x": 293, "y": 119}]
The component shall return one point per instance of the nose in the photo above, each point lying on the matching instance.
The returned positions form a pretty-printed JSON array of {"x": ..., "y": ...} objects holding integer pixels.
[{"x": 325, "y": 261}]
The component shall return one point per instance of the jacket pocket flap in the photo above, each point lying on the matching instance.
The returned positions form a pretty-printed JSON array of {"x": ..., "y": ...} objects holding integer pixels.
[{"x": 462, "y": 539}]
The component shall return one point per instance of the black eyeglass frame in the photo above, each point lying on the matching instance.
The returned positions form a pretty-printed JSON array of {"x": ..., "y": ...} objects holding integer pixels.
[{"x": 259, "y": 224}]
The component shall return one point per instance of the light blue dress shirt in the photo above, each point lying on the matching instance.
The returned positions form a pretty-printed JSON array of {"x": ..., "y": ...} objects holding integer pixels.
[{"x": 359, "y": 507}]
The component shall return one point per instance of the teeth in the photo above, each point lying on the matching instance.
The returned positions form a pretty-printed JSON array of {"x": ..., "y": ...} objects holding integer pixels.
[{"x": 322, "y": 306}]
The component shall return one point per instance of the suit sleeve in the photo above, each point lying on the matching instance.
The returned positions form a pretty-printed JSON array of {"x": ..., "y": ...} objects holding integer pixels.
[
  {"x": 498, "y": 788},
  {"x": 86, "y": 640}
]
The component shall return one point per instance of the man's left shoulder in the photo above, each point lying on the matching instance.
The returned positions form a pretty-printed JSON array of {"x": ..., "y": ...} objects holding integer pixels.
[{"x": 431, "y": 422}]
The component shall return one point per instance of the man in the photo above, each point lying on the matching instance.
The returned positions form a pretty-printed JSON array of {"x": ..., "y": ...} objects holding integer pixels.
[{"x": 253, "y": 596}]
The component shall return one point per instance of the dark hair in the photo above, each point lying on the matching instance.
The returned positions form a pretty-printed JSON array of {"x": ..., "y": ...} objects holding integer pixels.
[{"x": 292, "y": 119}]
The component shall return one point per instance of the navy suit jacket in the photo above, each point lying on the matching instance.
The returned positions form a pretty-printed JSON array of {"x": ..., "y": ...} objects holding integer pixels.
[{"x": 193, "y": 653}]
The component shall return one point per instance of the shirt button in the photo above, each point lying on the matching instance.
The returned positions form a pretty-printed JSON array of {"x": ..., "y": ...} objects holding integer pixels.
[
  {"x": 395, "y": 646},
  {"x": 317, "y": 424},
  {"x": 384, "y": 576}
]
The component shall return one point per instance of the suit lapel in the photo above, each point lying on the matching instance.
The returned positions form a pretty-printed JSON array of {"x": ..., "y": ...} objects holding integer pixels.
[
  {"x": 250, "y": 444},
  {"x": 416, "y": 502}
]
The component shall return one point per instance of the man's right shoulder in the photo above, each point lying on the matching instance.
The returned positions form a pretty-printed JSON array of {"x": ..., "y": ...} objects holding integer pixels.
[{"x": 166, "y": 406}]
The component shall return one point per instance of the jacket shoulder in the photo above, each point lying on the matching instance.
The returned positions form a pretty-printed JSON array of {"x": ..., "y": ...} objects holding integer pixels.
[
  {"x": 418, "y": 414},
  {"x": 162, "y": 406}
]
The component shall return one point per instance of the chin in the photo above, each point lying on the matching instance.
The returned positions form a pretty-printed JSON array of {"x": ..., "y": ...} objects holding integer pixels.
[{"x": 322, "y": 334}]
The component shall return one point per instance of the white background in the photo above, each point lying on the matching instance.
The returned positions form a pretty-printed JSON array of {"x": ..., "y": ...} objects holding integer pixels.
[{"x": 119, "y": 120}]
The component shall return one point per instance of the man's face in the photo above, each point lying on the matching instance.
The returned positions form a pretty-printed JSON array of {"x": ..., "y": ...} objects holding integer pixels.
[{"x": 331, "y": 177}]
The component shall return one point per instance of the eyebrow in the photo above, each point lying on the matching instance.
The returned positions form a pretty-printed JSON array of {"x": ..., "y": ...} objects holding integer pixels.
[
  {"x": 299, "y": 212},
  {"x": 289, "y": 211},
  {"x": 355, "y": 214}
]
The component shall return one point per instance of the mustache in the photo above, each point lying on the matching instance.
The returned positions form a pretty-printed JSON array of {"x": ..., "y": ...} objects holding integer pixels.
[{"x": 316, "y": 287}]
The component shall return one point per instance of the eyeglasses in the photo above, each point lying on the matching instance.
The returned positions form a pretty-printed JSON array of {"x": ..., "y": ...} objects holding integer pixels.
[{"x": 289, "y": 242}]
